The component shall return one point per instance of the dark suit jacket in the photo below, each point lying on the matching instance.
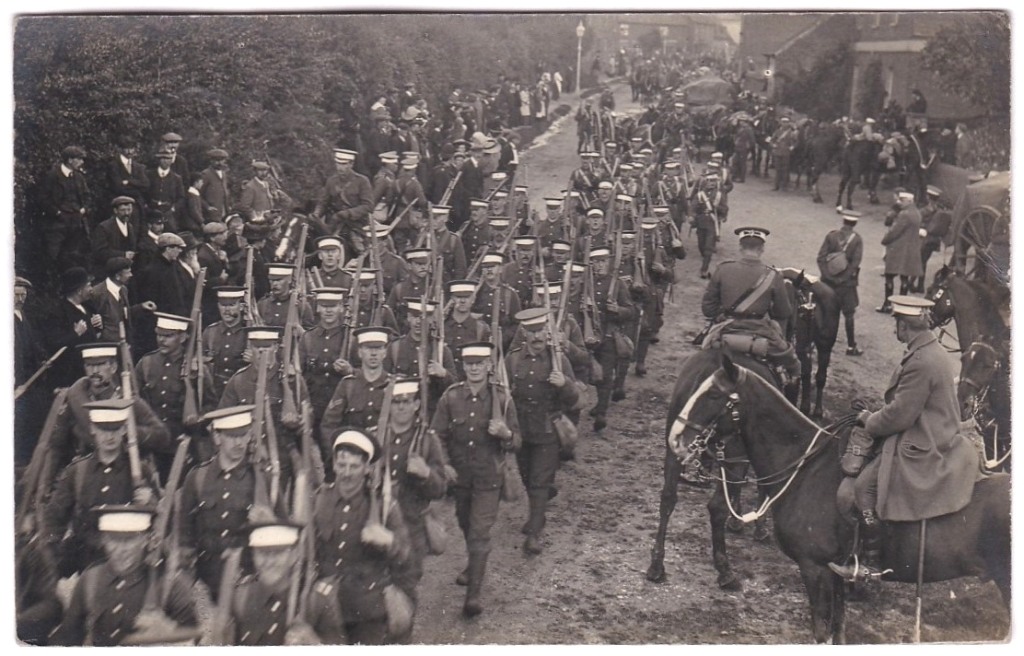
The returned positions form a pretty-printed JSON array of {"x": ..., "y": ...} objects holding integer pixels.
[
  {"x": 63, "y": 196},
  {"x": 167, "y": 194},
  {"x": 133, "y": 183},
  {"x": 216, "y": 199},
  {"x": 58, "y": 331},
  {"x": 113, "y": 311},
  {"x": 108, "y": 242},
  {"x": 180, "y": 166}
]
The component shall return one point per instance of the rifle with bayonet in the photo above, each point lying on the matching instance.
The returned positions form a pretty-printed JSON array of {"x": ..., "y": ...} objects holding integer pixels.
[
  {"x": 289, "y": 365},
  {"x": 191, "y": 363},
  {"x": 128, "y": 388},
  {"x": 252, "y": 313}
]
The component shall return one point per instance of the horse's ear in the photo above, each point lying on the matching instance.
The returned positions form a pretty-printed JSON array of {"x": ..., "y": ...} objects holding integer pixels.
[
  {"x": 730, "y": 368},
  {"x": 799, "y": 282}
]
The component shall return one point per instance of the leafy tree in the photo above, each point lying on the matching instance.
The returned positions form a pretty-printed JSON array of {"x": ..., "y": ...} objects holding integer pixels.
[
  {"x": 872, "y": 91},
  {"x": 822, "y": 92},
  {"x": 972, "y": 60}
]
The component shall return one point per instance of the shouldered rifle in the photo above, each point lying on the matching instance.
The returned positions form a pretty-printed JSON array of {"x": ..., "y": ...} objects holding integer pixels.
[
  {"x": 439, "y": 312},
  {"x": 308, "y": 477},
  {"x": 552, "y": 326},
  {"x": 21, "y": 389},
  {"x": 380, "y": 504},
  {"x": 221, "y": 623},
  {"x": 591, "y": 321},
  {"x": 252, "y": 313},
  {"x": 191, "y": 367},
  {"x": 158, "y": 539},
  {"x": 38, "y": 477},
  {"x": 289, "y": 368},
  {"x": 259, "y": 413},
  {"x": 353, "y": 312},
  {"x": 128, "y": 392},
  {"x": 451, "y": 188},
  {"x": 376, "y": 262}
]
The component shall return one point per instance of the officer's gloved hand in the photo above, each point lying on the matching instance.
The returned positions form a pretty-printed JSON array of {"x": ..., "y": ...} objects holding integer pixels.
[
  {"x": 301, "y": 633},
  {"x": 862, "y": 418},
  {"x": 143, "y": 496}
]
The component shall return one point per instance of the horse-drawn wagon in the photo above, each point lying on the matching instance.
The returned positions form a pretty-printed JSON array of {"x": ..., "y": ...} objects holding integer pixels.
[{"x": 980, "y": 229}]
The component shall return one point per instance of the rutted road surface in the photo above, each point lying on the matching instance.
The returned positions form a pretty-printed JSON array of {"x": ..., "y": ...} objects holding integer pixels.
[{"x": 588, "y": 586}]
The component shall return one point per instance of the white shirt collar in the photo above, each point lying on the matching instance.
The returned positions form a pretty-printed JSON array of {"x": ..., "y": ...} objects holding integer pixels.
[
  {"x": 127, "y": 162},
  {"x": 18, "y": 314},
  {"x": 162, "y": 172},
  {"x": 65, "y": 170},
  {"x": 122, "y": 227},
  {"x": 113, "y": 288}
]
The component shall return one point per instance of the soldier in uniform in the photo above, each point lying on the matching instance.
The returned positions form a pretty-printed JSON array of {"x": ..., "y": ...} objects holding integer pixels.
[
  {"x": 330, "y": 251},
  {"x": 101, "y": 478},
  {"x": 217, "y": 496},
  {"x": 744, "y": 142},
  {"x": 372, "y": 309},
  {"x": 73, "y": 434},
  {"x": 403, "y": 354},
  {"x": 108, "y": 601},
  {"x": 493, "y": 295},
  {"x": 273, "y": 307},
  {"x": 408, "y": 190},
  {"x": 540, "y": 391},
  {"x": 461, "y": 327},
  {"x": 500, "y": 228},
  {"x": 323, "y": 363},
  {"x": 935, "y": 221},
  {"x": 346, "y": 200},
  {"x": 725, "y": 185},
  {"x": 675, "y": 192},
  {"x": 614, "y": 314},
  {"x": 518, "y": 274},
  {"x": 750, "y": 297},
  {"x": 477, "y": 442},
  {"x": 447, "y": 244},
  {"x": 161, "y": 378},
  {"x": 383, "y": 190},
  {"x": 418, "y": 474},
  {"x": 358, "y": 398},
  {"x": 260, "y": 603},
  {"x": 361, "y": 548},
  {"x": 552, "y": 226},
  {"x": 476, "y": 233},
  {"x": 844, "y": 283},
  {"x": 705, "y": 197},
  {"x": 596, "y": 233},
  {"x": 783, "y": 142},
  {"x": 415, "y": 286},
  {"x": 224, "y": 341},
  {"x": 265, "y": 342},
  {"x": 658, "y": 261}
]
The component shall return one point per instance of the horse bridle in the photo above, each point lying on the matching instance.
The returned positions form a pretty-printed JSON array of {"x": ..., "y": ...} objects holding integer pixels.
[{"x": 998, "y": 365}]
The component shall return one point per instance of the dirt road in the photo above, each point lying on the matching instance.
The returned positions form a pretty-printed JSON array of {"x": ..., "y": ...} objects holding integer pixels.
[{"x": 588, "y": 586}]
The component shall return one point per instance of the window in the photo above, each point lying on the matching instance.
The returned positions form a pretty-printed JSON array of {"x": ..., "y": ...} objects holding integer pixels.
[
  {"x": 878, "y": 20},
  {"x": 894, "y": 20}
]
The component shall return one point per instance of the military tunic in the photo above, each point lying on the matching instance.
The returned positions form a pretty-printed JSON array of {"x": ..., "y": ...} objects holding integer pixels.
[
  {"x": 260, "y": 615},
  {"x": 162, "y": 386},
  {"x": 507, "y": 301},
  {"x": 224, "y": 347},
  {"x": 356, "y": 402},
  {"x": 319, "y": 348},
  {"x": 105, "y": 606},
  {"x": 345, "y": 202},
  {"x": 274, "y": 311},
  {"x": 474, "y": 239},
  {"x": 412, "y": 287},
  {"x": 457, "y": 334},
  {"x": 403, "y": 360}
]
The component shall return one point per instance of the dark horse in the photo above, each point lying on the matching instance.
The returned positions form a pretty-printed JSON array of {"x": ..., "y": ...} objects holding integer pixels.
[
  {"x": 815, "y": 327},
  {"x": 974, "y": 304},
  {"x": 821, "y": 145},
  {"x": 695, "y": 369},
  {"x": 798, "y": 465},
  {"x": 855, "y": 162}
]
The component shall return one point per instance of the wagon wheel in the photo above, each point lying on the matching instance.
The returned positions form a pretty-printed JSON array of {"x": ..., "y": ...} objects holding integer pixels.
[{"x": 971, "y": 255}]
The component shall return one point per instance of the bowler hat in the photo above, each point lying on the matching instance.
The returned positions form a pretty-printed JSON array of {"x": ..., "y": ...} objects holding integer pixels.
[{"x": 73, "y": 279}]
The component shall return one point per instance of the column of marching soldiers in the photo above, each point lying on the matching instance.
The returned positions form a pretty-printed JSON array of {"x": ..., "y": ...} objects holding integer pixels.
[{"x": 290, "y": 453}]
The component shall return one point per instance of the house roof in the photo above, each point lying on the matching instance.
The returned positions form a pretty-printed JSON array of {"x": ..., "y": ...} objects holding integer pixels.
[{"x": 763, "y": 34}]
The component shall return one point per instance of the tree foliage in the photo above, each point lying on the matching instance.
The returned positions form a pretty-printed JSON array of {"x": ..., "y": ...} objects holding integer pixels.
[
  {"x": 871, "y": 98},
  {"x": 823, "y": 93},
  {"x": 972, "y": 60},
  {"x": 284, "y": 86}
]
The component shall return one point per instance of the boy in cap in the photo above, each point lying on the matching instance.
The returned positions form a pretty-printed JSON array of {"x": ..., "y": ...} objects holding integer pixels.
[
  {"x": 924, "y": 467},
  {"x": 748, "y": 296},
  {"x": 261, "y": 601},
  {"x": 476, "y": 443},
  {"x": 358, "y": 398},
  {"x": 359, "y": 549},
  {"x": 107, "y": 606},
  {"x": 103, "y": 477},
  {"x": 217, "y": 496},
  {"x": 214, "y": 191},
  {"x": 346, "y": 200},
  {"x": 262, "y": 193},
  {"x": 273, "y": 307},
  {"x": 117, "y": 236},
  {"x": 167, "y": 191},
  {"x": 403, "y": 354},
  {"x": 461, "y": 327},
  {"x": 844, "y": 283}
]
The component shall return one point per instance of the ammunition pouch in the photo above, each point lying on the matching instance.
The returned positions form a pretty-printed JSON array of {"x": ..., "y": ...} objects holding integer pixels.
[{"x": 742, "y": 344}]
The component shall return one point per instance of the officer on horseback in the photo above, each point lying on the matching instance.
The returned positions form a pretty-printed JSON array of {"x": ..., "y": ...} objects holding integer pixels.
[
  {"x": 746, "y": 297},
  {"x": 925, "y": 467}
]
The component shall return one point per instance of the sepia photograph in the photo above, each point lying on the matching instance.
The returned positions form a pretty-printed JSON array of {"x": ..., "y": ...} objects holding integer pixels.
[{"x": 510, "y": 327}]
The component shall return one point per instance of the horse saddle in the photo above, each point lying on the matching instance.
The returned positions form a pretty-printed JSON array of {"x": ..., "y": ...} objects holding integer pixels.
[{"x": 736, "y": 343}]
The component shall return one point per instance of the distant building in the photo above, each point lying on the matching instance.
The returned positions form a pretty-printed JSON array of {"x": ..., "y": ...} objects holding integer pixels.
[{"x": 691, "y": 33}]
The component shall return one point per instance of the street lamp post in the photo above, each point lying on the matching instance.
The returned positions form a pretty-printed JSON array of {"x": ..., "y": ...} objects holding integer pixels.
[{"x": 579, "y": 52}]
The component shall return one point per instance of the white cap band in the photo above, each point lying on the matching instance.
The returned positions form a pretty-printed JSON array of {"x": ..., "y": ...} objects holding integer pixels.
[
  {"x": 274, "y": 536},
  {"x": 125, "y": 522}
]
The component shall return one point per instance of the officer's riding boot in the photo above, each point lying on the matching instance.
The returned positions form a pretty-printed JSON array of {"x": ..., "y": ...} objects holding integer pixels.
[
  {"x": 621, "y": 369},
  {"x": 705, "y": 264},
  {"x": 886, "y": 307},
  {"x": 851, "y": 340},
  {"x": 477, "y": 566},
  {"x": 641, "y": 355},
  {"x": 868, "y": 566},
  {"x": 535, "y": 524}
]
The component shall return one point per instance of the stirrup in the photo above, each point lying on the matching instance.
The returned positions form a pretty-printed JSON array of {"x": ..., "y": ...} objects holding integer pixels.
[{"x": 858, "y": 573}]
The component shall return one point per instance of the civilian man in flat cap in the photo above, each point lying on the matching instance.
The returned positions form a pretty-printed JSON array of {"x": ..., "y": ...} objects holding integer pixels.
[
  {"x": 110, "y": 299},
  {"x": 117, "y": 236},
  {"x": 126, "y": 176},
  {"x": 212, "y": 256},
  {"x": 346, "y": 200},
  {"x": 102, "y": 477},
  {"x": 747, "y": 296},
  {"x": 71, "y": 322},
  {"x": 65, "y": 197},
  {"x": 925, "y": 467},
  {"x": 107, "y": 606},
  {"x": 179, "y": 164},
  {"x": 261, "y": 193},
  {"x": 164, "y": 283},
  {"x": 216, "y": 197},
  {"x": 167, "y": 192}
]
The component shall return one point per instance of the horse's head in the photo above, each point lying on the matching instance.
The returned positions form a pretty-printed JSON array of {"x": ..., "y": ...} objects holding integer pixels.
[
  {"x": 979, "y": 365},
  {"x": 710, "y": 414},
  {"x": 939, "y": 294}
]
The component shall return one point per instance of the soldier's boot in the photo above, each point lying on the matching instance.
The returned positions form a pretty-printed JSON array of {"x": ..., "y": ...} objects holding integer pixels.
[
  {"x": 641, "y": 355},
  {"x": 472, "y": 606},
  {"x": 535, "y": 524},
  {"x": 867, "y": 567},
  {"x": 619, "y": 393},
  {"x": 604, "y": 392},
  {"x": 705, "y": 265}
]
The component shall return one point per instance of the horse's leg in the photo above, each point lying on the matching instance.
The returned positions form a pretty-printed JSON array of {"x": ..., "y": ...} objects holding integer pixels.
[
  {"x": 821, "y": 377},
  {"x": 838, "y": 611},
  {"x": 669, "y": 496},
  {"x": 849, "y": 191},
  {"x": 719, "y": 513},
  {"x": 844, "y": 179},
  {"x": 803, "y": 353},
  {"x": 761, "y": 532},
  {"x": 819, "y": 582}
]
